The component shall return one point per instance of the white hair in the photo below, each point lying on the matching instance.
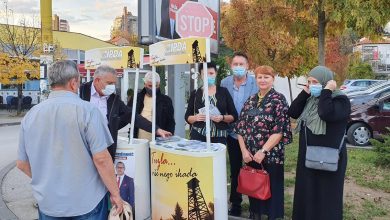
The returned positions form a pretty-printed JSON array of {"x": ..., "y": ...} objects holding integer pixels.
[
  {"x": 149, "y": 77},
  {"x": 61, "y": 72},
  {"x": 103, "y": 70}
]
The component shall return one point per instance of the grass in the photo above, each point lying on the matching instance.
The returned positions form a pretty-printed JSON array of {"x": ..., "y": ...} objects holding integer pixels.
[
  {"x": 368, "y": 210},
  {"x": 361, "y": 169}
]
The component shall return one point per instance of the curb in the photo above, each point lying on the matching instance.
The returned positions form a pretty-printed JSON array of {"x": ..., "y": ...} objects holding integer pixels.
[
  {"x": 9, "y": 124},
  {"x": 237, "y": 218},
  {"x": 5, "y": 213}
]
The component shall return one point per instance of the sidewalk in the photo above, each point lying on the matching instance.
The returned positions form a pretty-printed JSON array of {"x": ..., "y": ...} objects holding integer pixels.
[
  {"x": 16, "y": 194},
  {"x": 9, "y": 118}
]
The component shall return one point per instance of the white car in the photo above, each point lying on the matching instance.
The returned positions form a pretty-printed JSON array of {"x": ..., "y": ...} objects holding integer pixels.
[{"x": 351, "y": 85}]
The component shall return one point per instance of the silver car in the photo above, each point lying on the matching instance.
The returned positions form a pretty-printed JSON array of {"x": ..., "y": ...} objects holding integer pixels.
[{"x": 351, "y": 85}]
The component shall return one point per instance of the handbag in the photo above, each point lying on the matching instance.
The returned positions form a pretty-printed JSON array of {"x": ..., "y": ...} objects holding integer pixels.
[
  {"x": 127, "y": 213},
  {"x": 254, "y": 183},
  {"x": 322, "y": 158}
]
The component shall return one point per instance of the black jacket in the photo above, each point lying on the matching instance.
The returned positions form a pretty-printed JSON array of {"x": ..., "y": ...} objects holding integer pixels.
[
  {"x": 164, "y": 111},
  {"x": 225, "y": 105},
  {"x": 118, "y": 115}
]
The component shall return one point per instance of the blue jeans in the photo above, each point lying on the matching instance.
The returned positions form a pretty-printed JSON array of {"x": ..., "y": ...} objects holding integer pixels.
[{"x": 100, "y": 212}]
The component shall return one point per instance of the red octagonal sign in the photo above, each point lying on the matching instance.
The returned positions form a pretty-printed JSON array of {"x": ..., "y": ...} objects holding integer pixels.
[{"x": 194, "y": 20}]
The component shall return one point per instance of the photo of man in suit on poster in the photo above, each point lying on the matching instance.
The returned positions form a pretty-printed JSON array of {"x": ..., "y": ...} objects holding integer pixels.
[{"x": 125, "y": 184}]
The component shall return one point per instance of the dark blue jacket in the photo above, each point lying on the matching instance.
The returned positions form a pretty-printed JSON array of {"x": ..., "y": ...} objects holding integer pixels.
[{"x": 127, "y": 190}]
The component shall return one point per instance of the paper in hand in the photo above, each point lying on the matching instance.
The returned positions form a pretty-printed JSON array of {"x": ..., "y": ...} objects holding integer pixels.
[{"x": 213, "y": 110}]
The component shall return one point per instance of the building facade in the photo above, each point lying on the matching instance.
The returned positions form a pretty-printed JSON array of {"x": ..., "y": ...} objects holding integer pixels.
[
  {"x": 60, "y": 24},
  {"x": 126, "y": 23},
  {"x": 377, "y": 54}
]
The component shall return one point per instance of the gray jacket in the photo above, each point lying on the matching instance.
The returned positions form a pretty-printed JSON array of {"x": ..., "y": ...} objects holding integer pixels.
[{"x": 249, "y": 89}]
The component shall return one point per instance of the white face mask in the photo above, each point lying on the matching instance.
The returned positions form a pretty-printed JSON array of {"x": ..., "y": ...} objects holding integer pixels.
[{"x": 108, "y": 90}]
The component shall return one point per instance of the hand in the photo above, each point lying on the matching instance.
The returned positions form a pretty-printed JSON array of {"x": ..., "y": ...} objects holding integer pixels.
[
  {"x": 331, "y": 85},
  {"x": 216, "y": 118},
  {"x": 259, "y": 156},
  {"x": 118, "y": 203},
  {"x": 163, "y": 133},
  {"x": 200, "y": 117},
  {"x": 306, "y": 89},
  {"x": 247, "y": 156}
]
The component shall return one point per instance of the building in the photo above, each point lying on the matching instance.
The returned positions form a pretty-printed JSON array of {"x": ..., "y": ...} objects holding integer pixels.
[
  {"x": 125, "y": 23},
  {"x": 119, "y": 41},
  {"x": 73, "y": 47},
  {"x": 377, "y": 54},
  {"x": 64, "y": 25},
  {"x": 60, "y": 24},
  {"x": 56, "y": 22}
]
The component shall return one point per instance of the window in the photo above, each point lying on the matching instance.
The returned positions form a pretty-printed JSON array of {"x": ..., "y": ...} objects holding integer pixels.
[
  {"x": 361, "y": 83},
  {"x": 386, "y": 105}
]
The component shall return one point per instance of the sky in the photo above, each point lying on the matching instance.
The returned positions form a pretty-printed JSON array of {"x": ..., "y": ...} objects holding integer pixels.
[{"x": 90, "y": 17}]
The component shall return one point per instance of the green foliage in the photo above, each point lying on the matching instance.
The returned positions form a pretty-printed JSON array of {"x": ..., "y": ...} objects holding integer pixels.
[
  {"x": 382, "y": 150},
  {"x": 366, "y": 18},
  {"x": 270, "y": 33},
  {"x": 360, "y": 70},
  {"x": 362, "y": 169},
  {"x": 223, "y": 68}
]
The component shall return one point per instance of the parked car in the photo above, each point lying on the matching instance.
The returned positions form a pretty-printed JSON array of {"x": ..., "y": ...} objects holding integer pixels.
[
  {"x": 358, "y": 98},
  {"x": 369, "y": 120},
  {"x": 350, "y": 85},
  {"x": 364, "y": 90}
]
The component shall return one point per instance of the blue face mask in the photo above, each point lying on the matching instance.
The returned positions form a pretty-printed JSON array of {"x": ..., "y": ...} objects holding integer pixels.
[
  {"x": 211, "y": 81},
  {"x": 315, "y": 90},
  {"x": 239, "y": 71}
]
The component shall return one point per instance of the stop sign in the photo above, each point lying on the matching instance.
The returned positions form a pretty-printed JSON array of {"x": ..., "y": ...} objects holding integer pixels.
[{"x": 194, "y": 20}]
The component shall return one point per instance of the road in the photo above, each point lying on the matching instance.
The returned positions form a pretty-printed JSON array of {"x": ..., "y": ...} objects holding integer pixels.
[{"x": 9, "y": 139}]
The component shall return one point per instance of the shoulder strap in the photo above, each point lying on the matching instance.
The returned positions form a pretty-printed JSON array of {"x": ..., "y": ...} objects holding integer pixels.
[{"x": 341, "y": 142}]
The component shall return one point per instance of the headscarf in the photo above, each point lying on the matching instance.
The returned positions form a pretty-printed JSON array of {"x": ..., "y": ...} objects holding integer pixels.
[{"x": 310, "y": 113}]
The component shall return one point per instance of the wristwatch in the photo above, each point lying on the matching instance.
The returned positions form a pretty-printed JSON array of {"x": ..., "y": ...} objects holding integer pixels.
[{"x": 264, "y": 151}]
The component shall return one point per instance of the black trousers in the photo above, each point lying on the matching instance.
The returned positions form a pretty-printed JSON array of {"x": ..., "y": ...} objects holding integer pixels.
[{"x": 235, "y": 159}]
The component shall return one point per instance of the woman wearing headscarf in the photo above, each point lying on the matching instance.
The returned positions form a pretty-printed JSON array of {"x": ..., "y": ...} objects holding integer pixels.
[
  {"x": 263, "y": 130},
  {"x": 322, "y": 112}
]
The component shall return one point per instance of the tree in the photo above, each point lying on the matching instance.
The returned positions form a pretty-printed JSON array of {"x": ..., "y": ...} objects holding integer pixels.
[
  {"x": 335, "y": 59},
  {"x": 132, "y": 38},
  {"x": 178, "y": 213},
  {"x": 271, "y": 33},
  {"x": 334, "y": 16},
  {"x": 21, "y": 40},
  {"x": 358, "y": 69},
  {"x": 18, "y": 44},
  {"x": 17, "y": 70}
]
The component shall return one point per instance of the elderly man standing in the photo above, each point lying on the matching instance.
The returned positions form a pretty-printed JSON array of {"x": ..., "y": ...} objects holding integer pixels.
[
  {"x": 63, "y": 148},
  {"x": 101, "y": 93},
  {"x": 164, "y": 108}
]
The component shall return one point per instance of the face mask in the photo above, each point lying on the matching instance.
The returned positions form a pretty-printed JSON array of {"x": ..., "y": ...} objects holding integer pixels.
[
  {"x": 315, "y": 90},
  {"x": 211, "y": 81},
  {"x": 149, "y": 92},
  {"x": 239, "y": 71},
  {"x": 108, "y": 90}
]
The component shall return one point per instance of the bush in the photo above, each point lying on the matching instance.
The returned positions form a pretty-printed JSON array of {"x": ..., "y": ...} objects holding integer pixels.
[
  {"x": 361, "y": 71},
  {"x": 382, "y": 149}
]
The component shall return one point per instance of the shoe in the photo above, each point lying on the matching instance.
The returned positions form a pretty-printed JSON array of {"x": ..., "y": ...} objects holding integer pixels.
[{"x": 235, "y": 211}]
